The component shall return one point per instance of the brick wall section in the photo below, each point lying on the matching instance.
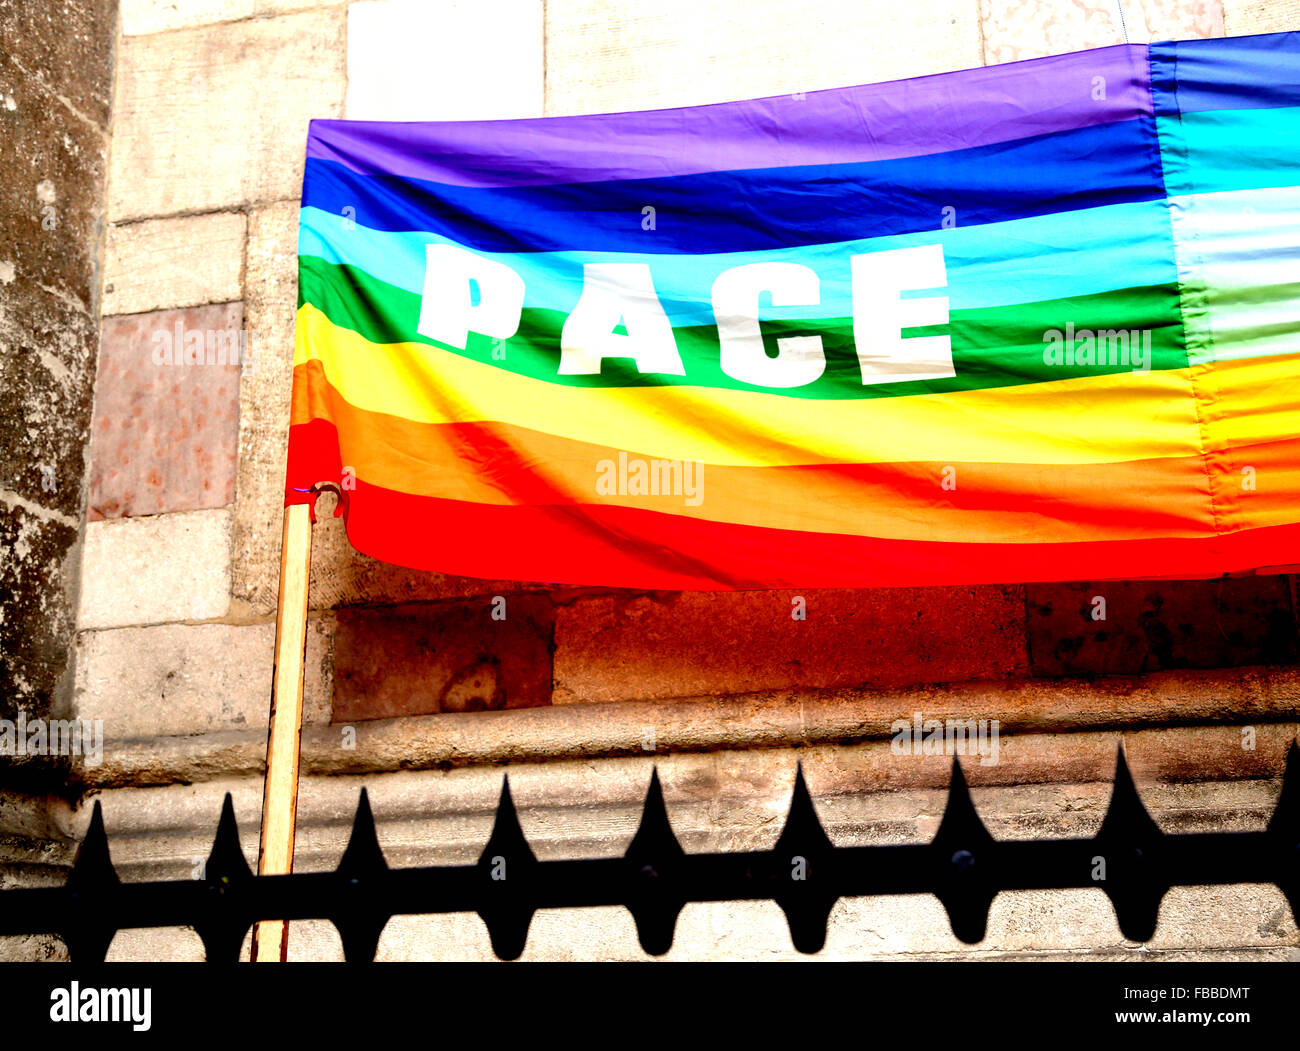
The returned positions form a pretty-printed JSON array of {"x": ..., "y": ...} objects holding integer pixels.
[{"x": 211, "y": 242}]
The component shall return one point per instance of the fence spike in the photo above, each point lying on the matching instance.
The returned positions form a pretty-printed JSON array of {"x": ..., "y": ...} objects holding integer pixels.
[
  {"x": 93, "y": 867},
  {"x": 1284, "y": 830},
  {"x": 87, "y": 935},
  {"x": 506, "y": 865},
  {"x": 653, "y": 857},
  {"x": 802, "y": 860},
  {"x": 225, "y": 920},
  {"x": 1129, "y": 846},
  {"x": 966, "y": 881},
  {"x": 363, "y": 855},
  {"x": 361, "y": 917},
  {"x": 226, "y": 861}
]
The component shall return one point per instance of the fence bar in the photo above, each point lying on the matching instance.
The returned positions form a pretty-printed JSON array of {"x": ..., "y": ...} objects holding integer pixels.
[{"x": 1130, "y": 859}]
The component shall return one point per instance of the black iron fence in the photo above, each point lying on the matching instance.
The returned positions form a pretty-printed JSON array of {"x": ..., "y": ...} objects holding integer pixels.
[{"x": 1130, "y": 859}]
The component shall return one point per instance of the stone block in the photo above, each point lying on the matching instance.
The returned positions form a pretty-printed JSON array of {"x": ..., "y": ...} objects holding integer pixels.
[
  {"x": 216, "y": 116},
  {"x": 33, "y": 630},
  {"x": 66, "y": 51},
  {"x": 140, "y": 17},
  {"x": 1242, "y": 17},
  {"x": 697, "y": 643},
  {"x": 421, "y": 659},
  {"x": 489, "y": 62},
  {"x": 156, "y": 945},
  {"x": 1159, "y": 625},
  {"x": 646, "y": 55},
  {"x": 47, "y": 364},
  {"x": 153, "y": 570},
  {"x": 166, "y": 412},
  {"x": 164, "y": 263},
  {"x": 175, "y": 679},
  {"x": 49, "y": 197},
  {"x": 1176, "y": 19},
  {"x": 1020, "y": 29},
  {"x": 38, "y": 948}
]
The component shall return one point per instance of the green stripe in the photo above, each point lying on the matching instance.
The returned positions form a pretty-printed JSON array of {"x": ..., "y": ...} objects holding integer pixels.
[{"x": 991, "y": 346}]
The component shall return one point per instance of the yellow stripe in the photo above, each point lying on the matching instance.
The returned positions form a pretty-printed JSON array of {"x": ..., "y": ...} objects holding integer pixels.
[
  {"x": 1254, "y": 400},
  {"x": 1100, "y": 419}
]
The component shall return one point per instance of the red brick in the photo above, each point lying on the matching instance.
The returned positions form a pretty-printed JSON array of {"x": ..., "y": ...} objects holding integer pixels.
[
  {"x": 422, "y": 658},
  {"x": 616, "y": 647},
  {"x": 164, "y": 437}
]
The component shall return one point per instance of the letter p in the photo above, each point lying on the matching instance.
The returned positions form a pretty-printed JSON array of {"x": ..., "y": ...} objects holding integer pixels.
[{"x": 449, "y": 309}]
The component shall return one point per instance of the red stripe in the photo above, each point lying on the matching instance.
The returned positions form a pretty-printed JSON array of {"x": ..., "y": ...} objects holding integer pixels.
[{"x": 630, "y": 547}]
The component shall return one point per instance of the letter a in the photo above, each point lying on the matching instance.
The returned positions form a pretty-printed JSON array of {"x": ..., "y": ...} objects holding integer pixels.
[{"x": 614, "y": 293}]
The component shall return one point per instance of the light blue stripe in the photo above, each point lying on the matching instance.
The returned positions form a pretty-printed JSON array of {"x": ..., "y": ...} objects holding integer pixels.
[
  {"x": 1240, "y": 149},
  {"x": 1021, "y": 261}
]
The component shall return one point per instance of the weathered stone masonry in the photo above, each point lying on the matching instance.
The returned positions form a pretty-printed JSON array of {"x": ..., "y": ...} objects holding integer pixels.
[{"x": 169, "y": 137}]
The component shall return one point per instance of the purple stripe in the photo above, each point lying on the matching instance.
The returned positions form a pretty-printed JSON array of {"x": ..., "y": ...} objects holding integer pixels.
[{"x": 902, "y": 118}]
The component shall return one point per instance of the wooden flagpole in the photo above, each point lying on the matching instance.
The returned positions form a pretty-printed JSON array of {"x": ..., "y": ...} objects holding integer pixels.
[{"x": 280, "y": 794}]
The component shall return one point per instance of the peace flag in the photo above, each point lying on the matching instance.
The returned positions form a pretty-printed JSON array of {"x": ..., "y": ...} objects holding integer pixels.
[{"x": 1036, "y": 321}]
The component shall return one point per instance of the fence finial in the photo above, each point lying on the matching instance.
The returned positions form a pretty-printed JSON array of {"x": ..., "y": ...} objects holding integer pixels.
[
  {"x": 225, "y": 918},
  {"x": 86, "y": 934},
  {"x": 1128, "y": 845},
  {"x": 802, "y": 863},
  {"x": 362, "y": 912},
  {"x": 1284, "y": 830},
  {"x": 966, "y": 862},
  {"x": 653, "y": 857},
  {"x": 506, "y": 868}
]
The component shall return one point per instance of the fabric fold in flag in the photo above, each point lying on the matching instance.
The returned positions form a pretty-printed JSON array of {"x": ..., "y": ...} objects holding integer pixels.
[{"x": 1038, "y": 321}]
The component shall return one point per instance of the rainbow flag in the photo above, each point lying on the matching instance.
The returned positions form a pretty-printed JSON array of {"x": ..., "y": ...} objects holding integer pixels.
[{"x": 1038, "y": 321}]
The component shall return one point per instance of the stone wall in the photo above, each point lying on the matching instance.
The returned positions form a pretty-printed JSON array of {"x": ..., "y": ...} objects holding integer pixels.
[
  {"x": 56, "y": 72},
  {"x": 414, "y": 690},
  {"x": 56, "y": 66}
]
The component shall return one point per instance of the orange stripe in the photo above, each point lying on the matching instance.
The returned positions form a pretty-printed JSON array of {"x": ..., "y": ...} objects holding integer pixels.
[{"x": 503, "y": 464}]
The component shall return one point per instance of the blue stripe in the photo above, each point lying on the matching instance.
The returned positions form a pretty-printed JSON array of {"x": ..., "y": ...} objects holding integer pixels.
[
  {"x": 1255, "y": 72},
  {"x": 763, "y": 209}
]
